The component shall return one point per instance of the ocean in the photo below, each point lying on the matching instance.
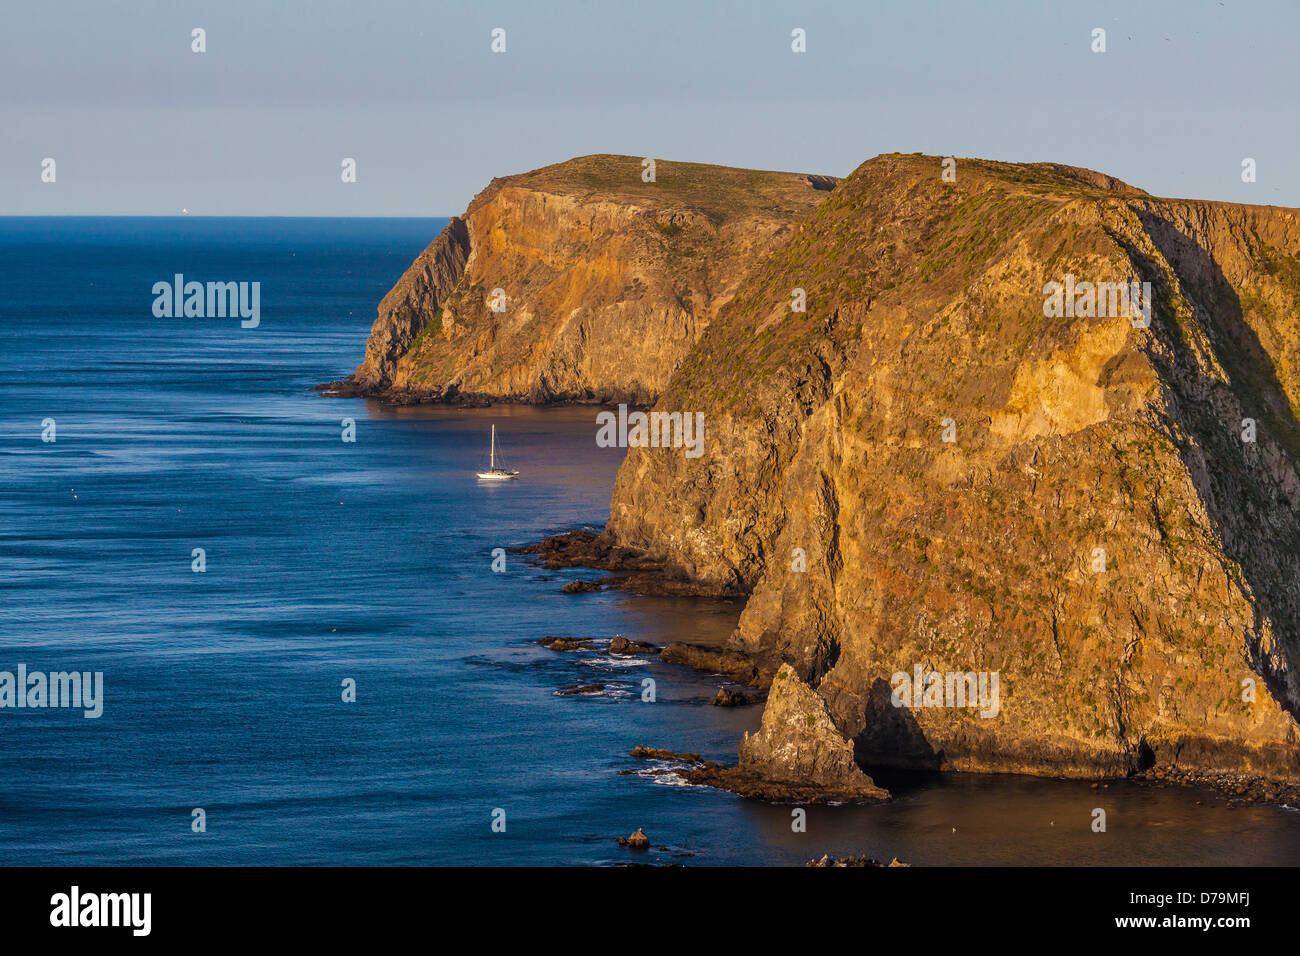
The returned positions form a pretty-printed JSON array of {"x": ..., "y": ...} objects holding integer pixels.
[{"x": 368, "y": 564}]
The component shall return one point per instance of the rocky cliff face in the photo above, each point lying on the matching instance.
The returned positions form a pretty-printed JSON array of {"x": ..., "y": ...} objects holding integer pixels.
[
  {"x": 579, "y": 281},
  {"x": 409, "y": 305},
  {"x": 923, "y": 473},
  {"x": 798, "y": 743}
]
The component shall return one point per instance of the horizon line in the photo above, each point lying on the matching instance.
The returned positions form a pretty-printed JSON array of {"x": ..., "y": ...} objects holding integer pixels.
[{"x": 135, "y": 215}]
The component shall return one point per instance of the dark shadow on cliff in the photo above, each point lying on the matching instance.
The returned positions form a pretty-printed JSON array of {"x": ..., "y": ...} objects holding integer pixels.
[
  {"x": 1248, "y": 511},
  {"x": 891, "y": 737}
]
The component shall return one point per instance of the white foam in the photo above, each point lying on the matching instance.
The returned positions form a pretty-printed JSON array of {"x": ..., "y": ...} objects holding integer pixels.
[{"x": 613, "y": 662}]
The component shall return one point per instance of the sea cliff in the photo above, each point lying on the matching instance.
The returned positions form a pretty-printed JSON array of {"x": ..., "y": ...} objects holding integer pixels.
[
  {"x": 577, "y": 282},
  {"x": 926, "y": 466},
  {"x": 925, "y": 469}
]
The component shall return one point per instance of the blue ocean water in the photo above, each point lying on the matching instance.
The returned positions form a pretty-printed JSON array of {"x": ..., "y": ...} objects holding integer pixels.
[{"x": 371, "y": 561}]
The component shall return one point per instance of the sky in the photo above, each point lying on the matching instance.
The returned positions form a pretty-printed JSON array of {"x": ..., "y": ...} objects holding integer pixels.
[{"x": 260, "y": 123}]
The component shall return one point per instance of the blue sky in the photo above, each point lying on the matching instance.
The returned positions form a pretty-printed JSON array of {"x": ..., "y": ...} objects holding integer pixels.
[{"x": 258, "y": 125}]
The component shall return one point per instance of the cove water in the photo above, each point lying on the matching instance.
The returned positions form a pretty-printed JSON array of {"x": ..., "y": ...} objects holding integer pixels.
[{"x": 328, "y": 562}]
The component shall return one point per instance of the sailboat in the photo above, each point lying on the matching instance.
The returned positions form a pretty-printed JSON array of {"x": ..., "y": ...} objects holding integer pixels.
[{"x": 494, "y": 473}]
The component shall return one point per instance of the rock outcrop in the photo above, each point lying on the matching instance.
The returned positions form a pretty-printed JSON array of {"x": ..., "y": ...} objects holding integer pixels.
[
  {"x": 799, "y": 744},
  {"x": 620, "y": 645},
  {"x": 736, "y": 665},
  {"x": 601, "y": 281},
  {"x": 408, "y": 307},
  {"x": 916, "y": 467},
  {"x": 566, "y": 643},
  {"x": 750, "y": 782},
  {"x": 927, "y": 472}
]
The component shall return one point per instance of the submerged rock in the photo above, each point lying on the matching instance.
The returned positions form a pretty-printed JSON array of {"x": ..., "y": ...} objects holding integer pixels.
[
  {"x": 658, "y": 753},
  {"x": 580, "y": 587},
  {"x": 621, "y": 645},
  {"x": 567, "y": 643},
  {"x": 580, "y": 689},
  {"x": 632, "y": 569}
]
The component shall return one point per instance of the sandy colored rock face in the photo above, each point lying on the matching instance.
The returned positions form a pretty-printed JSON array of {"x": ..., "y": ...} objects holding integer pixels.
[
  {"x": 1097, "y": 533},
  {"x": 605, "y": 281},
  {"x": 798, "y": 743},
  {"x": 927, "y": 468}
]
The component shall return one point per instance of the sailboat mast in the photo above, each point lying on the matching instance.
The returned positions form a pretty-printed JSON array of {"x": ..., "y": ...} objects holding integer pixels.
[{"x": 492, "y": 462}]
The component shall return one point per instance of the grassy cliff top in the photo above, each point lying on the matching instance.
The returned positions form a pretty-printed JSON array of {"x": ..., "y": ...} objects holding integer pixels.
[
  {"x": 895, "y": 245},
  {"x": 725, "y": 191}
]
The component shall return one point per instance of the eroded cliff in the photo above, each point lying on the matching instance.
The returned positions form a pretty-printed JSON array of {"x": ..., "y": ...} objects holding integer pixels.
[
  {"x": 925, "y": 471},
  {"x": 579, "y": 281}
]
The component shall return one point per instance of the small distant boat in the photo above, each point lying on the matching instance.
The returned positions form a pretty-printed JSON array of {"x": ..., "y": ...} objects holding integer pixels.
[{"x": 494, "y": 473}]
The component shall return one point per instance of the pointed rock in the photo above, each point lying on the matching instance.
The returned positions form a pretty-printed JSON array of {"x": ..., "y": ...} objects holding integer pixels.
[{"x": 799, "y": 743}]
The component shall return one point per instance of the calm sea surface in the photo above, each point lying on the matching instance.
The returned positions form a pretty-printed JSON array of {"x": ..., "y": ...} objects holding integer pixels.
[{"x": 329, "y": 561}]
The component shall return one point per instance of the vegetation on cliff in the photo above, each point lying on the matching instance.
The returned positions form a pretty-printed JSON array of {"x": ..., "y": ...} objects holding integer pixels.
[
  {"x": 912, "y": 464},
  {"x": 925, "y": 469},
  {"x": 579, "y": 281}
]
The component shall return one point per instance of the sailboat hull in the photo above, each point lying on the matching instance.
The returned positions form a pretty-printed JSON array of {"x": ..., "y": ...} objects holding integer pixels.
[{"x": 494, "y": 473}]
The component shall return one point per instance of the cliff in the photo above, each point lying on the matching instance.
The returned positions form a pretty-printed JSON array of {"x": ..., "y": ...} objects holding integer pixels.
[
  {"x": 578, "y": 281},
  {"x": 925, "y": 470}
]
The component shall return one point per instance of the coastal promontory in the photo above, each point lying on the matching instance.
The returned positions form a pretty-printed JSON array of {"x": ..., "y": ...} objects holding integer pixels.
[{"x": 1005, "y": 458}]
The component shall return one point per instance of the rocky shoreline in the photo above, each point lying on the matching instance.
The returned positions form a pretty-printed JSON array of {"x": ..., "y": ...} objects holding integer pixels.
[
  {"x": 705, "y": 773},
  {"x": 350, "y": 387},
  {"x": 796, "y": 756},
  {"x": 855, "y": 861},
  {"x": 748, "y": 679},
  {"x": 1236, "y": 788},
  {"x": 453, "y": 397},
  {"x": 1085, "y": 528},
  {"x": 629, "y": 569}
]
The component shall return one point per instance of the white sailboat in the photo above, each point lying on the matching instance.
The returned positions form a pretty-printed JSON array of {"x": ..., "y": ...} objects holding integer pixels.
[{"x": 494, "y": 473}]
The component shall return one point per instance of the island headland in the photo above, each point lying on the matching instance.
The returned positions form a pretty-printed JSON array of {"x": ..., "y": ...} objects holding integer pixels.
[{"x": 1004, "y": 459}]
